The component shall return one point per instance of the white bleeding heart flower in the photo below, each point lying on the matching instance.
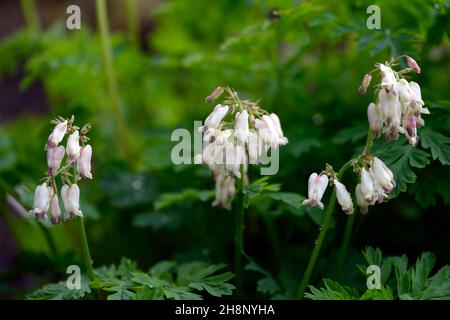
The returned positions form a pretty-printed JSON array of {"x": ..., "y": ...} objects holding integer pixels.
[
  {"x": 215, "y": 117},
  {"x": 55, "y": 210},
  {"x": 41, "y": 204},
  {"x": 71, "y": 200},
  {"x": 343, "y": 197},
  {"x": 392, "y": 112},
  {"x": 405, "y": 93},
  {"x": 316, "y": 188},
  {"x": 225, "y": 190},
  {"x": 282, "y": 140},
  {"x": 360, "y": 200},
  {"x": 375, "y": 116},
  {"x": 382, "y": 175},
  {"x": 54, "y": 158},
  {"x": 410, "y": 125},
  {"x": 84, "y": 162},
  {"x": 366, "y": 185},
  {"x": 388, "y": 79},
  {"x": 254, "y": 147},
  {"x": 57, "y": 135},
  {"x": 242, "y": 128},
  {"x": 73, "y": 148}
]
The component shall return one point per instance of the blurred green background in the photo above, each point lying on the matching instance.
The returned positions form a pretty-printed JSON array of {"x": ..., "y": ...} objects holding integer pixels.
[{"x": 303, "y": 59}]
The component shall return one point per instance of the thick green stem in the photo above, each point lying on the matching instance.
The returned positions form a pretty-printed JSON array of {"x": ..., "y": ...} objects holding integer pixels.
[
  {"x": 131, "y": 10},
  {"x": 85, "y": 248},
  {"x": 239, "y": 235},
  {"x": 102, "y": 21},
  {"x": 31, "y": 15},
  {"x": 323, "y": 232}
]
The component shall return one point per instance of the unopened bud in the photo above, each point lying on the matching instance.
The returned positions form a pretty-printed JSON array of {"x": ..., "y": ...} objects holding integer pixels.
[{"x": 217, "y": 92}]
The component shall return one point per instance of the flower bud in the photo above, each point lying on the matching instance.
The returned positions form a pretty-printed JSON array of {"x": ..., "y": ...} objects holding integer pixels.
[
  {"x": 54, "y": 158},
  {"x": 343, "y": 197},
  {"x": 316, "y": 188},
  {"x": 55, "y": 210},
  {"x": 365, "y": 83},
  {"x": 73, "y": 146},
  {"x": 84, "y": 162},
  {"x": 413, "y": 64},
  {"x": 217, "y": 92},
  {"x": 57, "y": 135}
]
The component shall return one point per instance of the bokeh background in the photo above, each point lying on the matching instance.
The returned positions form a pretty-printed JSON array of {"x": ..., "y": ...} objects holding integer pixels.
[{"x": 302, "y": 59}]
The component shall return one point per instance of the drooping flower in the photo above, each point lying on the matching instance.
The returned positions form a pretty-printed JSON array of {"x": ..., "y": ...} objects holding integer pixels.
[
  {"x": 316, "y": 188},
  {"x": 343, "y": 197},
  {"x": 282, "y": 140},
  {"x": 360, "y": 200},
  {"x": 413, "y": 64},
  {"x": 366, "y": 185},
  {"x": 216, "y": 116},
  {"x": 55, "y": 210},
  {"x": 84, "y": 162},
  {"x": 242, "y": 128},
  {"x": 225, "y": 190},
  {"x": 376, "y": 119},
  {"x": 71, "y": 200},
  {"x": 392, "y": 111},
  {"x": 382, "y": 175},
  {"x": 73, "y": 148},
  {"x": 57, "y": 135},
  {"x": 54, "y": 158},
  {"x": 388, "y": 79},
  {"x": 41, "y": 201},
  {"x": 254, "y": 147}
]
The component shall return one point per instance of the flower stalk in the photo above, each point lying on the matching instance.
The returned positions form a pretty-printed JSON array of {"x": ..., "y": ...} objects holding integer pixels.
[{"x": 396, "y": 110}]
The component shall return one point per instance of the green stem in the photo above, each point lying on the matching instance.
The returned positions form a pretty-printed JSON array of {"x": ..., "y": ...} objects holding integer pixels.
[
  {"x": 239, "y": 235},
  {"x": 102, "y": 20},
  {"x": 31, "y": 15},
  {"x": 346, "y": 240},
  {"x": 323, "y": 231},
  {"x": 49, "y": 239},
  {"x": 131, "y": 10},
  {"x": 85, "y": 248},
  {"x": 351, "y": 219}
]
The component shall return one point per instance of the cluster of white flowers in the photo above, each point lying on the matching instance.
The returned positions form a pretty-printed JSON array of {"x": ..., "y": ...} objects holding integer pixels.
[
  {"x": 399, "y": 106},
  {"x": 375, "y": 184},
  {"x": 78, "y": 161},
  {"x": 397, "y": 110},
  {"x": 229, "y": 146}
]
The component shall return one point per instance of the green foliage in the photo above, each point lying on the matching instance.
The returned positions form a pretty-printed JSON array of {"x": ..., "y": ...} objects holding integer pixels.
[
  {"x": 60, "y": 291},
  {"x": 397, "y": 280},
  {"x": 164, "y": 280},
  {"x": 401, "y": 158}
]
